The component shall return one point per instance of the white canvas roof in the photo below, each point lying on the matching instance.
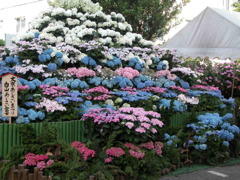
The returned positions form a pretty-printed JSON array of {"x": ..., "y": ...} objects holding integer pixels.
[{"x": 214, "y": 33}]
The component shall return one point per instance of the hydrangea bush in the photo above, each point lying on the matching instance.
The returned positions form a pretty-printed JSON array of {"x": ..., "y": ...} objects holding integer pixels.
[
  {"x": 220, "y": 74},
  {"x": 67, "y": 66},
  {"x": 212, "y": 137}
]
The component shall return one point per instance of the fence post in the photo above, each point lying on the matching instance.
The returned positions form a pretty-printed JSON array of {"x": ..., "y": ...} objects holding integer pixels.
[
  {"x": 24, "y": 174},
  {"x": 35, "y": 173}
]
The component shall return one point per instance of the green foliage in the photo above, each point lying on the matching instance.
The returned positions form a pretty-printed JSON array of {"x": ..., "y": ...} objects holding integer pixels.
[
  {"x": 2, "y": 42},
  {"x": 47, "y": 141},
  {"x": 150, "y": 18},
  {"x": 236, "y": 5},
  {"x": 215, "y": 154}
]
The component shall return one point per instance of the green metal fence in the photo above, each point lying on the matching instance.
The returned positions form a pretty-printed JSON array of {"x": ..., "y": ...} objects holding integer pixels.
[
  {"x": 9, "y": 136},
  {"x": 72, "y": 130}
]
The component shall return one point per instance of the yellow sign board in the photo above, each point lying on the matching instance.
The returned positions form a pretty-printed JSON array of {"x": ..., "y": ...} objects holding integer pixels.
[{"x": 9, "y": 96}]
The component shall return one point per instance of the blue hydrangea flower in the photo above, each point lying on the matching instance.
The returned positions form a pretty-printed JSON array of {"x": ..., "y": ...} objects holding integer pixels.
[
  {"x": 29, "y": 104},
  {"x": 36, "y": 35},
  {"x": 96, "y": 81},
  {"x": 166, "y": 136},
  {"x": 178, "y": 106},
  {"x": 83, "y": 85},
  {"x": 156, "y": 60},
  {"x": 42, "y": 58},
  {"x": 225, "y": 143},
  {"x": 184, "y": 84},
  {"x": 9, "y": 59},
  {"x": 59, "y": 61},
  {"x": 26, "y": 120},
  {"x": 31, "y": 85},
  {"x": 48, "y": 51},
  {"x": 3, "y": 63},
  {"x": 52, "y": 67},
  {"x": 227, "y": 116},
  {"x": 75, "y": 84},
  {"x": 117, "y": 61},
  {"x": 20, "y": 119},
  {"x": 169, "y": 142},
  {"x": 22, "y": 111},
  {"x": 62, "y": 100},
  {"x": 110, "y": 63},
  {"x": 1, "y": 117},
  {"x": 41, "y": 115},
  {"x": 37, "y": 82},
  {"x": 32, "y": 115},
  {"x": 165, "y": 103},
  {"x": 203, "y": 147},
  {"x": 59, "y": 54}
]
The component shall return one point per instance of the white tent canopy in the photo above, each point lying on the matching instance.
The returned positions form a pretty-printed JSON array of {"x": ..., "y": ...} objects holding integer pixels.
[{"x": 214, "y": 33}]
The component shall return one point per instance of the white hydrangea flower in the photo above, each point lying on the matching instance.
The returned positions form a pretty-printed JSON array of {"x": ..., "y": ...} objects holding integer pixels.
[
  {"x": 68, "y": 12},
  {"x": 53, "y": 54},
  {"x": 89, "y": 23},
  {"x": 109, "y": 102},
  {"x": 126, "y": 105},
  {"x": 166, "y": 63},
  {"x": 149, "y": 62},
  {"x": 122, "y": 26},
  {"x": 81, "y": 56},
  {"x": 79, "y": 15},
  {"x": 65, "y": 58},
  {"x": 130, "y": 55},
  {"x": 108, "y": 56}
]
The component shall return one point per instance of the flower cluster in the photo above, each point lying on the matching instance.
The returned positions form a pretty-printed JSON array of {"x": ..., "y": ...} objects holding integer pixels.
[
  {"x": 133, "y": 118},
  {"x": 54, "y": 91},
  {"x": 50, "y": 105},
  {"x": 135, "y": 151},
  {"x": 157, "y": 146},
  {"x": 213, "y": 125},
  {"x": 83, "y": 150},
  {"x": 81, "y": 72},
  {"x": 127, "y": 72},
  {"x": 171, "y": 140},
  {"x": 41, "y": 161},
  {"x": 113, "y": 152}
]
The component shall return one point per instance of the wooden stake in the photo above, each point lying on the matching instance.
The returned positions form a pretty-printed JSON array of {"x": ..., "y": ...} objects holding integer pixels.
[{"x": 10, "y": 120}]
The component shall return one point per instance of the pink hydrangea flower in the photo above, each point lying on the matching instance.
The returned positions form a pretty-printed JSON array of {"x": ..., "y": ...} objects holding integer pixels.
[
  {"x": 146, "y": 125},
  {"x": 83, "y": 150},
  {"x": 108, "y": 160},
  {"x": 41, "y": 165},
  {"x": 129, "y": 125},
  {"x": 81, "y": 72},
  {"x": 140, "y": 130},
  {"x": 158, "y": 147},
  {"x": 50, "y": 162},
  {"x": 137, "y": 154},
  {"x": 127, "y": 72},
  {"x": 148, "y": 145},
  {"x": 41, "y": 157},
  {"x": 153, "y": 130},
  {"x": 115, "y": 151}
]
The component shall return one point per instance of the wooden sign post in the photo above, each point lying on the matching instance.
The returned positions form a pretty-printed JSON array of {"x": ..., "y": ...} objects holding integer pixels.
[{"x": 9, "y": 96}]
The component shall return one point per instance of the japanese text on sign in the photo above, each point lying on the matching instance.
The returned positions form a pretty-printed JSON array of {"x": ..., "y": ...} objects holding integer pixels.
[{"x": 9, "y": 96}]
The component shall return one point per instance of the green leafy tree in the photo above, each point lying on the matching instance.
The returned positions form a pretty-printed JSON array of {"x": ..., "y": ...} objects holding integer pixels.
[
  {"x": 2, "y": 42},
  {"x": 236, "y": 5},
  {"x": 150, "y": 18}
]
